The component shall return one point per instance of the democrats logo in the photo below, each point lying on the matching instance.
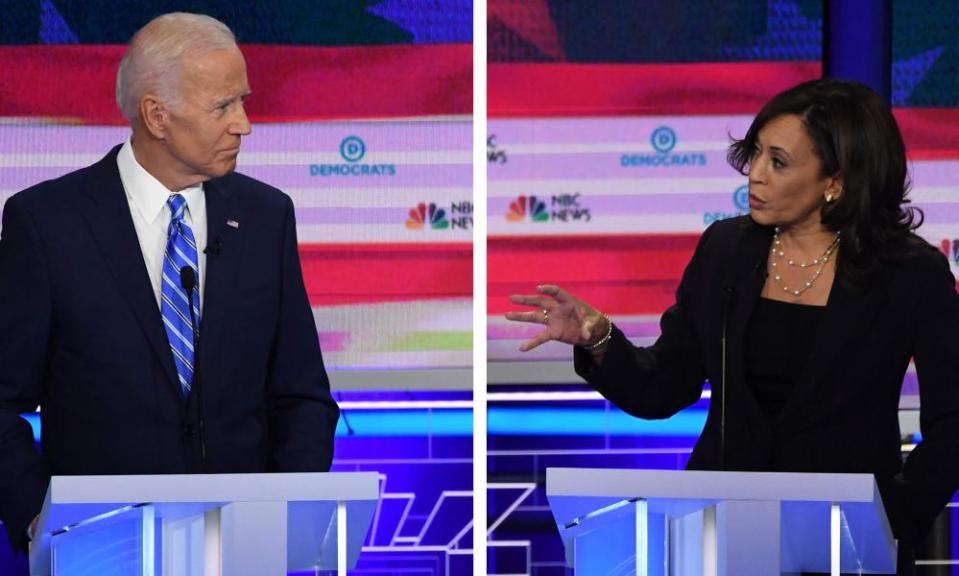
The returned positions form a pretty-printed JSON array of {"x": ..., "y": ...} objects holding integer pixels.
[
  {"x": 459, "y": 216},
  {"x": 494, "y": 154},
  {"x": 741, "y": 198},
  {"x": 740, "y": 205},
  {"x": 663, "y": 140},
  {"x": 352, "y": 151},
  {"x": 558, "y": 208}
]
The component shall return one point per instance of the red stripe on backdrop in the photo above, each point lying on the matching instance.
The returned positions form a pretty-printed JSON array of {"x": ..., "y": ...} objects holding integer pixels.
[
  {"x": 544, "y": 90},
  {"x": 629, "y": 274},
  {"x": 929, "y": 133},
  {"x": 337, "y": 274},
  {"x": 75, "y": 84},
  {"x": 583, "y": 90}
]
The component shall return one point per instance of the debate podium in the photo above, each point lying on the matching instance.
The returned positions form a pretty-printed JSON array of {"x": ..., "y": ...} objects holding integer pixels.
[
  {"x": 203, "y": 524},
  {"x": 680, "y": 523}
]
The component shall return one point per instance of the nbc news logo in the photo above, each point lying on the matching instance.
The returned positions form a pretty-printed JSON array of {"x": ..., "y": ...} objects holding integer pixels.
[
  {"x": 430, "y": 215},
  {"x": 532, "y": 206},
  {"x": 562, "y": 208}
]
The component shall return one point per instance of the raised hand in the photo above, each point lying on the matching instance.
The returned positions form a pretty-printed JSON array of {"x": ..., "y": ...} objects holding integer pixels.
[{"x": 565, "y": 317}]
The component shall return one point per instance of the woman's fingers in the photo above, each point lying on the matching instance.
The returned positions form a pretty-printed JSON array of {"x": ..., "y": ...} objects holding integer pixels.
[
  {"x": 556, "y": 292},
  {"x": 536, "y": 317},
  {"x": 527, "y": 300},
  {"x": 539, "y": 339}
]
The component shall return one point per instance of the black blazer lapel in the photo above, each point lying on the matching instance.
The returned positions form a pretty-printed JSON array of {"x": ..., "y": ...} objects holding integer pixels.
[
  {"x": 107, "y": 212},
  {"x": 222, "y": 262},
  {"x": 746, "y": 276},
  {"x": 743, "y": 282}
]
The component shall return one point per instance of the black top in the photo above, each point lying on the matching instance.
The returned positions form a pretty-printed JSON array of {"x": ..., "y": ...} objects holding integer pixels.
[
  {"x": 842, "y": 414},
  {"x": 778, "y": 344}
]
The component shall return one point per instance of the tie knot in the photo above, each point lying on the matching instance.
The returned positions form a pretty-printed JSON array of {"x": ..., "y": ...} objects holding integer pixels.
[{"x": 177, "y": 203}]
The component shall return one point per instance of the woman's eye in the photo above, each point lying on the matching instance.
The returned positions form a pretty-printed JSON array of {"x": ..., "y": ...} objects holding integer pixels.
[{"x": 777, "y": 163}]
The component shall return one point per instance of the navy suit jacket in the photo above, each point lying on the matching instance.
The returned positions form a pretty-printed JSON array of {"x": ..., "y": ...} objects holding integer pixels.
[{"x": 81, "y": 335}]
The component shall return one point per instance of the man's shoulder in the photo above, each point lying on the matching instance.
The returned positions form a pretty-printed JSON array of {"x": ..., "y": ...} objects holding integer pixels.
[
  {"x": 58, "y": 193},
  {"x": 255, "y": 193},
  {"x": 51, "y": 192}
]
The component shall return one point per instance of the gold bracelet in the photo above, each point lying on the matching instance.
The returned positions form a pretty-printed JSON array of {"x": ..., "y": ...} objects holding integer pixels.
[{"x": 604, "y": 339}]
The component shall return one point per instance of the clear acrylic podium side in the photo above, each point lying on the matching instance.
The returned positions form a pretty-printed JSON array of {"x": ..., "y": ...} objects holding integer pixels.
[
  {"x": 229, "y": 524},
  {"x": 679, "y": 523}
]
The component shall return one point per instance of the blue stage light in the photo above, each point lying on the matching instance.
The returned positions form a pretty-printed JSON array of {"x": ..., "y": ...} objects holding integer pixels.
[
  {"x": 377, "y": 423},
  {"x": 507, "y": 421},
  {"x": 522, "y": 421},
  {"x": 34, "y": 420},
  {"x": 406, "y": 423}
]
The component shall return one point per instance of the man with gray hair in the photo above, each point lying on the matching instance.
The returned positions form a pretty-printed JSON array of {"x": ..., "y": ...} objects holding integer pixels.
[{"x": 153, "y": 303}]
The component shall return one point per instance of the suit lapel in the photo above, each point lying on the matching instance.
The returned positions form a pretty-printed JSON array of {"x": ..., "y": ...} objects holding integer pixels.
[
  {"x": 742, "y": 284},
  {"x": 746, "y": 277},
  {"x": 108, "y": 213},
  {"x": 223, "y": 256}
]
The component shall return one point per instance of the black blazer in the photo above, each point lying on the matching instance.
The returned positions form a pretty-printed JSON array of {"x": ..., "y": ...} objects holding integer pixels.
[
  {"x": 81, "y": 335},
  {"x": 843, "y": 414}
]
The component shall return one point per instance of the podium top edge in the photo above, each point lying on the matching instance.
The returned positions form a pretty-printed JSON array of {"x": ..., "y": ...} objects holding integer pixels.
[
  {"x": 291, "y": 487},
  {"x": 710, "y": 485}
]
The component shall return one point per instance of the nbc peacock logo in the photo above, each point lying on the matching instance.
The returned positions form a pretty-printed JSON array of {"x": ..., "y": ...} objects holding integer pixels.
[
  {"x": 427, "y": 214},
  {"x": 533, "y": 206}
]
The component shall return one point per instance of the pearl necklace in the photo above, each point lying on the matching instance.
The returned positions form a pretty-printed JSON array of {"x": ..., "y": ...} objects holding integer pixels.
[{"x": 776, "y": 251}]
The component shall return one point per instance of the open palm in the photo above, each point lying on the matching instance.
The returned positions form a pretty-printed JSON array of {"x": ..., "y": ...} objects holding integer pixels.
[{"x": 565, "y": 318}]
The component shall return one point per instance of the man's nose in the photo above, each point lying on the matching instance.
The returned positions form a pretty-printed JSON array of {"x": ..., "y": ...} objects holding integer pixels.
[{"x": 241, "y": 124}]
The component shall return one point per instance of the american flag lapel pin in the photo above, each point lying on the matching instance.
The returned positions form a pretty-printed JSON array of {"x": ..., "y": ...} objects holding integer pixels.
[{"x": 233, "y": 224}]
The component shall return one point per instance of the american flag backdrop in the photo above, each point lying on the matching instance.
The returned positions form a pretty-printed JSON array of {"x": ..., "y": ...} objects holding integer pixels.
[
  {"x": 607, "y": 132},
  {"x": 361, "y": 113}
]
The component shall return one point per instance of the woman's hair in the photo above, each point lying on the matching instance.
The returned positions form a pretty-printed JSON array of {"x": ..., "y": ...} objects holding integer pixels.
[{"x": 857, "y": 139}]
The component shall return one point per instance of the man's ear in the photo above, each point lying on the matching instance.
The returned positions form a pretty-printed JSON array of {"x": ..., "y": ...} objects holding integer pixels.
[{"x": 155, "y": 116}]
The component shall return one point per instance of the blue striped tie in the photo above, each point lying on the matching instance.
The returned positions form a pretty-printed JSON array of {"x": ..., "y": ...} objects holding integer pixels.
[{"x": 180, "y": 252}]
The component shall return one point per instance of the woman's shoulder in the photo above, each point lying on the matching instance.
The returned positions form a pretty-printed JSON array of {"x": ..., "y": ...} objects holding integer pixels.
[
  {"x": 915, "y": 253},
  {"x": 916, "y": 262},
  {"x": 731, "y": 232}
]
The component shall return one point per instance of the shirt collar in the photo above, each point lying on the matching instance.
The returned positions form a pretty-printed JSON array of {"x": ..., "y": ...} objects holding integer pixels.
[{"x": 145, "y": 193}]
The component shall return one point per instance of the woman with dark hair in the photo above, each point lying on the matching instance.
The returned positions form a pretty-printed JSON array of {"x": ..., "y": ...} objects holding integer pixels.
[{"x": 803, "y": 315}]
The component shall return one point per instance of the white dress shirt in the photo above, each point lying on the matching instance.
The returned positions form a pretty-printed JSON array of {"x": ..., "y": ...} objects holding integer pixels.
[{"x": 151, "y": 216}]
